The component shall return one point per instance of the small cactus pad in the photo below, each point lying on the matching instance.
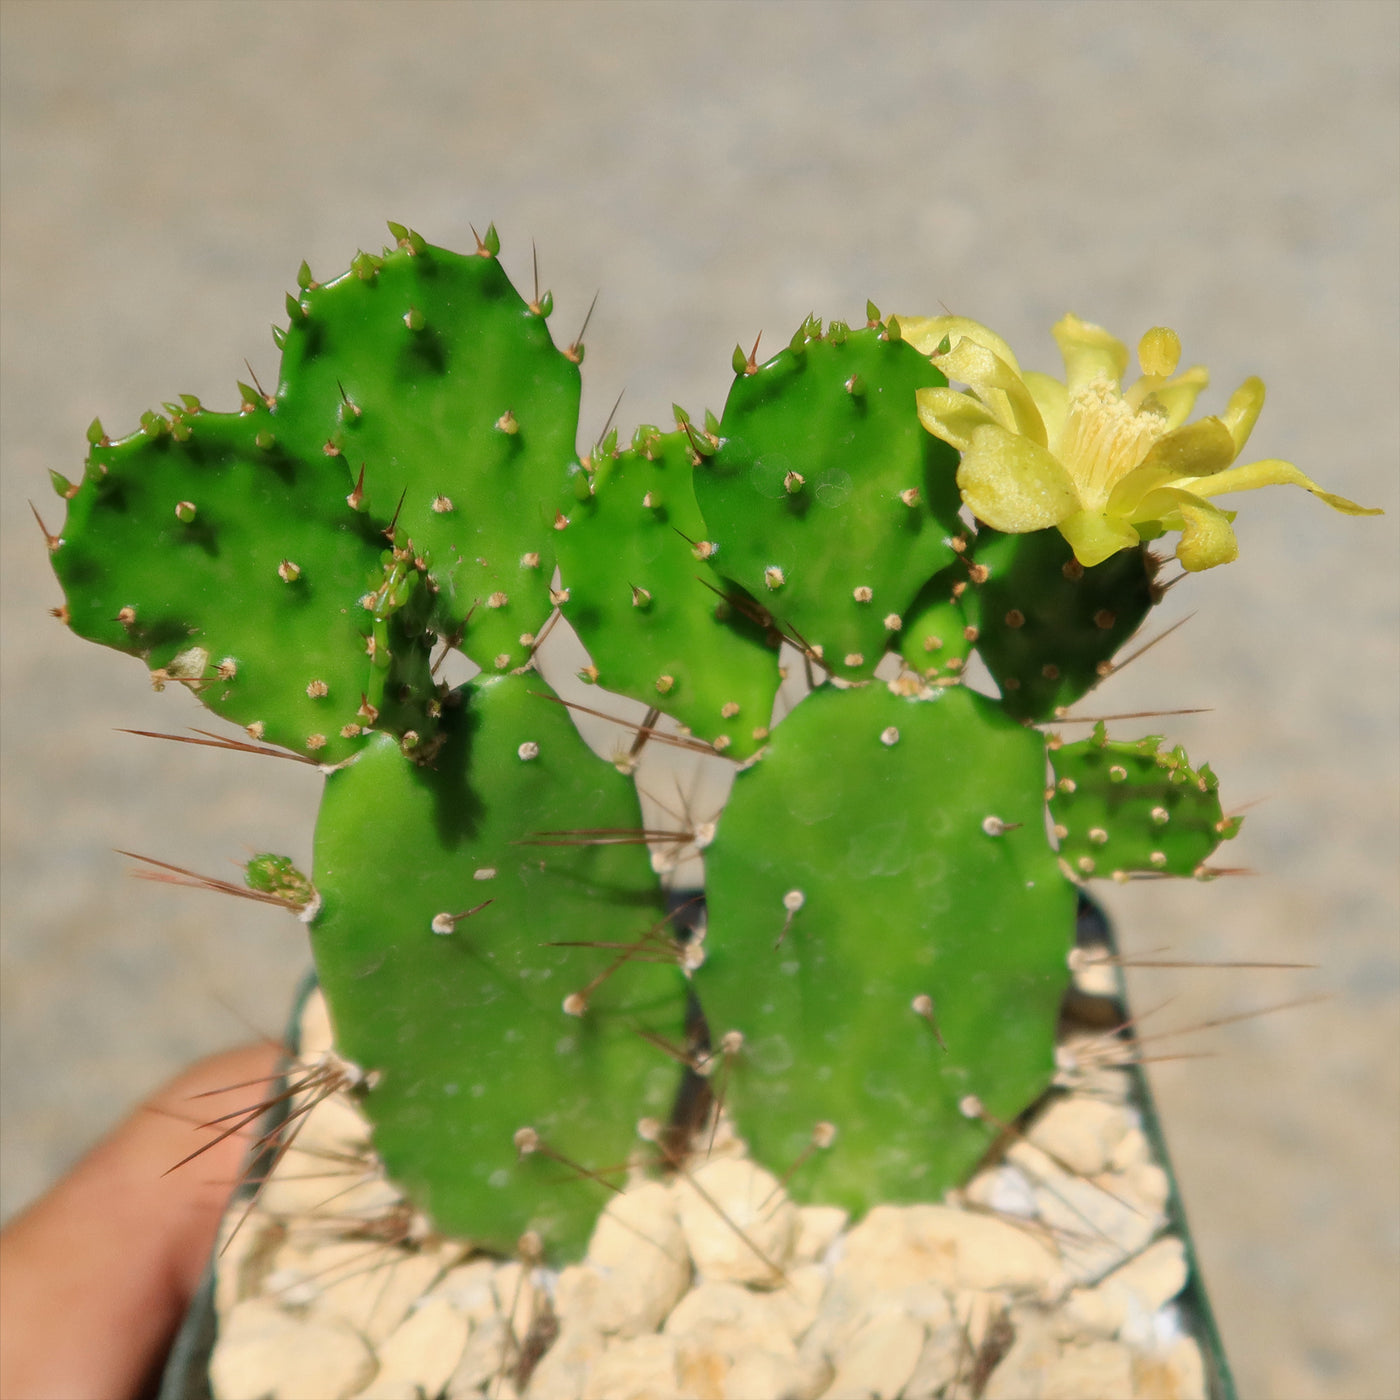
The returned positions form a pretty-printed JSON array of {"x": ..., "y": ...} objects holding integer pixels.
[
  {"x": 428, "y": 371},
  {"x": 237, "y": 570},
  {"x": 448, "y": 944},
  {"x": 888, "y": 930},
  {"x": 1123, "y": 808},
  {"x": 937, "y": 636},
  {"x": 1047, "y": 627},
  {"x": 651, "y": 611},
  {"x": 277, "y": 876},
  {"x": 826, "y": 499}
]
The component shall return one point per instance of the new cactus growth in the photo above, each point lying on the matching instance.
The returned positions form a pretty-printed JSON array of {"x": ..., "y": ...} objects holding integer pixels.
[{"x": 873, "y": 991}]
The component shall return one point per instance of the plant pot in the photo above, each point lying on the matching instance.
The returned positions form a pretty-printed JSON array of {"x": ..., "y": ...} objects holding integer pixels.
[{"x": 187, "y": 1375}]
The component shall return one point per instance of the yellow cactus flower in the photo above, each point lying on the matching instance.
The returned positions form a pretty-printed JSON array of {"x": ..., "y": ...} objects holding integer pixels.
[{"x": 1108, "y": 466}]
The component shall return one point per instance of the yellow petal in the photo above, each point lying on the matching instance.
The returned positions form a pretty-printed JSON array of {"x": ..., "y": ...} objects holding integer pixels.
[
  {"x": 951, "y": 415},
  {"x": 1013, "y": 484},
  {"x": 1206, "y": 536},
  {"x": 1181, "y": 458},
  {"x": 1089, "y": 351},
  {"x": 926, "y": 334},
  {"x": 1094, "y": 536},
  {"x": 1271, "y": 472},
  {"x": 1242, "y": 412},
  {"x": 1051, "y": 401},
  {"x": 1179, "y": 397},
  {"x": 996, "y": 383},
  {"x": 1194, "y": 449}
]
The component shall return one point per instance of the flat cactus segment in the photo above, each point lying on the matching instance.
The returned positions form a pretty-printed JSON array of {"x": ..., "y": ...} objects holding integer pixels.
[
  {"x": 237, "y": 571},
  {"x": 279, "y": 877},
  {"x": 888, "y": 929},
  {"x": 937, "y": 636},
  {"x": 1126, "y": 807},
  {"x": 430, "y": 372},
  {"x": 650, "y": 609},
  {"x": 455, "y": 1005},
  {"x": 1047, "y": 627},
  {"x": 827, "y": 501}
]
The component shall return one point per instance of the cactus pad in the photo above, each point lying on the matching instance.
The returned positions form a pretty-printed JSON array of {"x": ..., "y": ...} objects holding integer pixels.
[
  {"x": 1124, "y": 808},
  {"x": 648, "y": 606},
  {"x": 430, "y": 372},
  {"x": 233, "y": 568},
  {"x": 888, "y": 930},
  {"x": 454, "y": 1006},
  {"x": 826, "y": 500},
  {"x": 1047, "y": 627}
]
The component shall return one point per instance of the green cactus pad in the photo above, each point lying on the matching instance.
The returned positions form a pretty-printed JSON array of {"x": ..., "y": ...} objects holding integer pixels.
[
  {"x": 937, "y": 636},
  {"x": 827, "y": 501},
  {"x": 1047, "y": 627},
  {"x": 881, "y": 852},
  {"x": 430, "y": 372},
  {"x": 1123, "y": 808},
  {"x": 237, "y": 570},
  {"x": 279, "y": 877},
  {"x": 458, "y": 1015},
  {"x": 648, "y": 606}
]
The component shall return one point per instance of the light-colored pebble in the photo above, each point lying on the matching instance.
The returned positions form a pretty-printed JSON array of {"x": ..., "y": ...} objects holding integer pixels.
[
  {"x": 334, "y": 1128},
  {"x": 636, "y": 1269},
  {"x": 1003, "y": 1190},
  {"x": 943, "y": 1358},
  {"x": 1022, "y": 1371},
  {"x": 1094, "y": 1368},
  {"x": 730, "y": 1319},
  {"x": 470, "y": 1288},
  {"x": 373, "y": 1287},
  {"x": 852, "y": 1301},
  {"x": 739, "y": 1224},
  {"x": 1097, "y": 978},
  {"x": 335, "y": 1191},
  {"x": 635, "y": 1368},
  {"x": 563, "y": 1371},
  {"x": 486, "y": 1359},
  {"x": 421, "y": 1353},
  {"x": 266, "y": 1352},
  {"x": 1149, "y": 1183},
  {"x": 1090, "y": 1076},
  {"x": 1178, "y": 1375},
  {"x": 1080, "y": 1133},
  {"x": 800, "y": 1296},
  {"x": 1132, "y": 1147},
  {"x": 879, "y": 1359},
  {"x": 640, "y": 1249},
  {"x": 817, "y": 1229},
  {"x": 701, "y": 1370},
  {"x": 315, "y": 1036},
  {"x": 1132, "y": 1293},
  {"x": 520, "y": 1295},
  {"x": 899, "y": 1245},
  {"x": 248, "y": 1243},
  {"x": 767, "y": 1375},
  {"x": 1098, "y": 1222}
]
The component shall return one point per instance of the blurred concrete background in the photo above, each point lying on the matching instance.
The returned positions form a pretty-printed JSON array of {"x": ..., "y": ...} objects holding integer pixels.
[{"x": 1229, "y": 169}]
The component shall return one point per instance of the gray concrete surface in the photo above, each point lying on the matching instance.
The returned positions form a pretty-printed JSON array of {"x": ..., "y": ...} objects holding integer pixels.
[{"x": 1229, "y": 169}]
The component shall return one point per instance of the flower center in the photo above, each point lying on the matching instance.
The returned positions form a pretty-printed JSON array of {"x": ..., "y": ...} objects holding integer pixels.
[{"x": 1105, "y": 438}]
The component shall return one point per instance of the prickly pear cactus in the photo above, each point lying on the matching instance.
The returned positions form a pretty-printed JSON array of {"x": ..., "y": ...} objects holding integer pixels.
[
  {"x": 824, "y": 500},
  {"x": 872, "y": 991},
  {"x": 663, "y": 626},
  {"x": 862, "y": 874},
  {"x": 451, "y": 984}
]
